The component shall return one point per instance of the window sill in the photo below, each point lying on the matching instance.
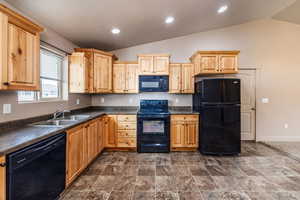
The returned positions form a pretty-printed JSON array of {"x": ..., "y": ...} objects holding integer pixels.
[{"x": 50, "y": 101}]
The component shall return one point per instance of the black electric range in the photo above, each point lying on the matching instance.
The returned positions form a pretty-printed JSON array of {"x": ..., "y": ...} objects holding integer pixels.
[{"x": 153, "y": 134}]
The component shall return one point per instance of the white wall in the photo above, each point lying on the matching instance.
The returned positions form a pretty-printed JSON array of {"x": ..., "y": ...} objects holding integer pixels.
[
  {"x": 20, "y": 111},
  {"x": 273, "y": 46}
]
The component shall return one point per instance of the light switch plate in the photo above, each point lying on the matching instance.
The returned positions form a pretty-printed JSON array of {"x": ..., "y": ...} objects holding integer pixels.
[
  {"x": 6, "y": 108},
  {"x": 265, "y": 100},
  {"x": 77, "y": 101},
  {"x": 102, "y": 99}
]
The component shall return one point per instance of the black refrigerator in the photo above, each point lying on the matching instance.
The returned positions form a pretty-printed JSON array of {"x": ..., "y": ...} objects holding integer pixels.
[{"x": 218, "y": 101}]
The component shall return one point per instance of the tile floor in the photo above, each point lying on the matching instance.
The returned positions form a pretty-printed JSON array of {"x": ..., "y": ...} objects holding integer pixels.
[{"x": 259, "y": 173}]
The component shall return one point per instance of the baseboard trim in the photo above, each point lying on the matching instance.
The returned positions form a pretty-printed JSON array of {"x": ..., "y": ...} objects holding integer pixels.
[{"x": 278, "y": 139}]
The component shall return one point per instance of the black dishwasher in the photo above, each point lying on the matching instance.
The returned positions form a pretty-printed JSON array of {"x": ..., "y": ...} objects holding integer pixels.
[{"x": 38, "y": 171}]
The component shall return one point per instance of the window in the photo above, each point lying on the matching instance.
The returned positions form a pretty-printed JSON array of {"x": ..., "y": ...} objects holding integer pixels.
[{"x": 52, "y": 79}]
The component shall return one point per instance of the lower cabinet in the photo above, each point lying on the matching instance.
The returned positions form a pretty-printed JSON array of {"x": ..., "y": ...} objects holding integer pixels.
[
  {"x": 110, "y": 136},
  {"x": 126, "y": 131},
  {"x": 84, "y": 143},
  {"x": 2, "y": 179},
  {"x": 75, "y": 153},
  {"x": 120, "y": 131},
  {"x": 184, "y": 132}
]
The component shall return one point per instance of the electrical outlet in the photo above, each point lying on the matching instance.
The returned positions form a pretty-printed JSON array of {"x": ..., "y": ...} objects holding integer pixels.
[
  {"x": 265, "y": 100},
  {"x": 102, "y": 100},
  {"x": 6, "y": 108},
  {"x": 286, "y": 125},
  {"x": 77, "y": 101},
  {"x": 176, "y": 100},
  {"x": 130, "y": 100}
]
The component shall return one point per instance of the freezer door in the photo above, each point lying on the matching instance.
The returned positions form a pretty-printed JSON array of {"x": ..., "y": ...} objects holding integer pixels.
[
  {"x": 220, "y": 131},
  {"x": 218, "y": 91},
  {"x": 231, "y": 91}
]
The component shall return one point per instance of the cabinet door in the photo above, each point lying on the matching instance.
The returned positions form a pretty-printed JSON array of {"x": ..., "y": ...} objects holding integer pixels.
[
  {"x": 175, "y": 80},
  {"x": 177, "y": 134},
  {"x": 3, "y": 49},
  {"x": 92, "y": 143},
  {"x": 146, "y": 65},
  {"x": 21, "y": 57},
  {"x": 228, "y": 63},
  {"x": 100, "y": 134},
  {"x": 110, "y": 131},
  {"x": 75, "y": 151},
  {"x": 209, "y": 63},
  {"x": 102, "y": 73},
  {"x": 132, "y": 78},
  {"x": 187, "y": 78},
  {"x": 161, "y": 65},
  {"x": 2, "y": 179},
  {"x": 78, "y": 76},
  {"x": 191, "y": 134},
  {"x": 119, "y": 78}
]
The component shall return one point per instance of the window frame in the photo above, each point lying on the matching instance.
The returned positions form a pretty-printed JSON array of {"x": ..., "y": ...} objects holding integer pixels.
[{"x": 38, "y": 95}]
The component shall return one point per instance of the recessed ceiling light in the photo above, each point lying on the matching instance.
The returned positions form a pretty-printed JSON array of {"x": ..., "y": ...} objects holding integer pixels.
[
  {"x": 169, "y": 20},
  {"x": 222, "y": 9},
  {"x": 115, "y": 31}
]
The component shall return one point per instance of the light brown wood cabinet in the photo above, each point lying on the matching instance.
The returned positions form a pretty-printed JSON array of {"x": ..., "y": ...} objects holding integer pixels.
[
  {"x": 125, "y": 77},
  {"x": 154, "y": 64},
  {"x": 94, "y": 73},
  {"x": 181, "y": 78},
  {"x": 2, "y": 179},
  {"x": 84, "y": 143},
  {"x": 184, "y": 132},
  {"x": 126, "y": 131},
  {"x": 19, "y": 52},
  {"x": 75, "y": 153},
  {"x": 110, "y": 135},
  {"x": 215, "y": 62},
  {"x": 91, "y": 140}
]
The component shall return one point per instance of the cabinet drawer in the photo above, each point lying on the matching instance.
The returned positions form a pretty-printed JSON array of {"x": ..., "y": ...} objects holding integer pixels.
[
  {"x": 126, "y": 126},
  {"x": 127, "y": 118},
  {"x": 126, "y": 142},
  {"x": 184, "y": 117},
  {"x": 126, "y": 133}
]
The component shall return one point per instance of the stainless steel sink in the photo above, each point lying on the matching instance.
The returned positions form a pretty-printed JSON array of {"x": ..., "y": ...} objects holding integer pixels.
[
  {"x": 54, "y": 123},
  {"x": 75, "y": 117}
]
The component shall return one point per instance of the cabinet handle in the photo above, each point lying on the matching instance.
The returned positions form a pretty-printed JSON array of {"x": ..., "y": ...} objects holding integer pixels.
[
  {"x": 2, "y": 164},
  {"x": 6, "y": 83}
]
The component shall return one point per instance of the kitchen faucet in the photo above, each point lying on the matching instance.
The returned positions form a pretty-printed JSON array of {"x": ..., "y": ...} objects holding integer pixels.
[{"x": 58, "y": 113}]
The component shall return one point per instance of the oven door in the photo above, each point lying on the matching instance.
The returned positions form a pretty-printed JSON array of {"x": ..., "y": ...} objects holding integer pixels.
[
  {"x": 154, "y": 83},
  {"x": 153, "y": 133}
]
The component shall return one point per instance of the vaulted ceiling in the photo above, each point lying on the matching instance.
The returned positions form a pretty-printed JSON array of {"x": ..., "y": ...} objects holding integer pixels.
[{"x": 88, "y": 23}]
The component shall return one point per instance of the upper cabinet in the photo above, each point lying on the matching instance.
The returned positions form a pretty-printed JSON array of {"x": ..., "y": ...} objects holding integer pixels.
[
  {"x": 215, "y": 62},
  {"x": 154, "y": 64},
  {"x": 19, "y": 52},
  {"x": 90, "y": 71},
  {"x": 125, "y": 77},
  {"x": 181, "y": 79}
]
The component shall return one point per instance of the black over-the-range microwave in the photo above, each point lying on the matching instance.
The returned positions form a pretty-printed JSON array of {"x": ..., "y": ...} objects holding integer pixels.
[{"x": 154, "y": 83}]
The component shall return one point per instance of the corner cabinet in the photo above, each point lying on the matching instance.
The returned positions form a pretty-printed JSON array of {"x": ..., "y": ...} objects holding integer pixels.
[
  {"x": 184, "y": 132},
  {"x": 215, "y": 62},
  {"x": 125, "y": 77},
  {"x": 90, "y": 71},
  {"x": 154, "y": 64},
  {"x": 181, "y": 78},
  {"x": 19, "y": 52}
]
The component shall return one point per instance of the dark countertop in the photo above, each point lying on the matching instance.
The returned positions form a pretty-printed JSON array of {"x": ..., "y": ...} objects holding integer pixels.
[
  {"x": 15, "y": 139},
  {"x": 18, "y": 138}
]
